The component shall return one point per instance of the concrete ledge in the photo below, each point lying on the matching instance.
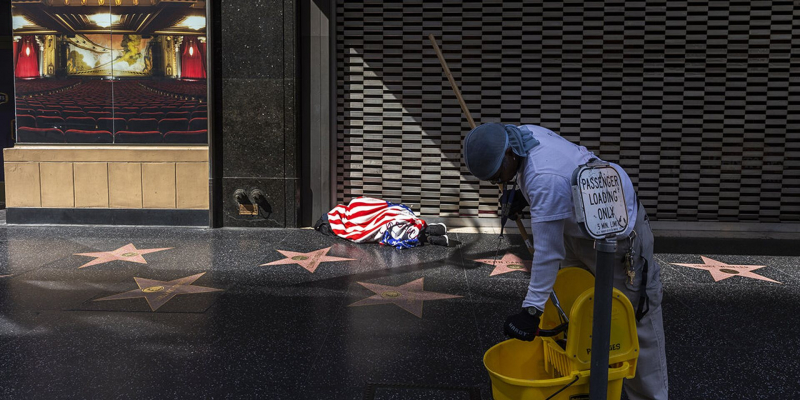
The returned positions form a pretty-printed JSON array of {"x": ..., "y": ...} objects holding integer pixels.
[
  {"x": 677, "y": 228},
  {"x": 109, "y": 153},
  {"x": 104, "y": 216},
  {"x": 679, "y": 237}
]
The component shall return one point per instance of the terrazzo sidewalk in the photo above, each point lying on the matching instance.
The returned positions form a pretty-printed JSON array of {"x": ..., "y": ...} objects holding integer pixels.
[{"x": 287, "y": 314}]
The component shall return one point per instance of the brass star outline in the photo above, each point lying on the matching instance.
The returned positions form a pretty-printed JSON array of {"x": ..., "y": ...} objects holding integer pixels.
[
  {"x": 129, "y": 252},
  {"x": 157, "y": 293},
  {"x": 720, "y": 270},
  {"x": 409, "y": 296},
  {"x": 310, "y": 261},
  {"x": 509, "y": 263}
]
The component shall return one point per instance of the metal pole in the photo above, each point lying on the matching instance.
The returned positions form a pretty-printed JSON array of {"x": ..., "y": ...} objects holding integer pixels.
[
  {"x": 214, "y": 103},
  {"x": 601, "y": 327}
]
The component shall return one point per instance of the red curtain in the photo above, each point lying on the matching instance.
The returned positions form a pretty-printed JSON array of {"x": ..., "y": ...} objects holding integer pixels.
[
  {"x": 203, "y": 55},
  {"x": 192, "y": 66},
  {"x": 16, "y": 54},
  {"x": 28, "y": 58}
]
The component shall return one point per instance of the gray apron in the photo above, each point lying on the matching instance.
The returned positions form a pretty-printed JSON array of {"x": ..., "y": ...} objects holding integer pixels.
[{"x": 650, "y": 381}]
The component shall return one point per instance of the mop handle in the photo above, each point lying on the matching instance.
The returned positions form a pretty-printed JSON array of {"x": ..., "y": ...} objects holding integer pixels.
[
  {"x": 472, "y": 125},
  {"x": 552, "y": 332}
]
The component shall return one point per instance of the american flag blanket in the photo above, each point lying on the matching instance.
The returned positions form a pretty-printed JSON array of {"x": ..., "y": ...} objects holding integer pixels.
[{"x": 368, "y": 220}]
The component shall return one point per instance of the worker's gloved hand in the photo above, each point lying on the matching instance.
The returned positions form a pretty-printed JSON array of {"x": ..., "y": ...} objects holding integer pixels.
[
  {"x": 522, "y": 326},
  {"x": 517, "y": 205}
]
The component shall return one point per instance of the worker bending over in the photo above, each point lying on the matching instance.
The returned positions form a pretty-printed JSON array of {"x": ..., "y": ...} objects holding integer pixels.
[{"x": 543, "y": 163}]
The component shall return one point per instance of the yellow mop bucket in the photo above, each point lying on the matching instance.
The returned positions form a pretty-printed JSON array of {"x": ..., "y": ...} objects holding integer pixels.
[{"x": 546, "y": 368}]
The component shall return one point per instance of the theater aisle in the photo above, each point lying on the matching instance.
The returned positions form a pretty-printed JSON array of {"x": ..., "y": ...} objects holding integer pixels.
[{"x": 101, "y": 312}]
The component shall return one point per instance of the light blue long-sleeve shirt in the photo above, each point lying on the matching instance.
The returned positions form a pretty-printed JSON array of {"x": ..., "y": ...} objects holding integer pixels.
[{"x": 545, "y": 180}]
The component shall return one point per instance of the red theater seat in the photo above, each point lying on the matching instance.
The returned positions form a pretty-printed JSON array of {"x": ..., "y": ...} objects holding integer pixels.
[
  {"x": 26, "y": 121},
  {"x": 178, "y": 114},
  {"x": 72, "y": 113},
  {"x": 156, "y": 115},
  {"x": 85, "y": 123},
  {"x": 80, "y": 136},
  {"x": 197, "y": 124},
  {"x": 99, "y": 114},
  {"x": 49, "y": 122},
  {"x": 126, "y": 115},
  {"x": 112, "y": 124},
  {"x": 142, "y": 124},
  {"x": 50, "y": 113},
  {"x": 186, "y": 137},
  {"x": 39, "y": 135},
  {"x": 173, "y": 124},
  {"x": 199, "y": 114},
  {"x": 138, "y": 137}
]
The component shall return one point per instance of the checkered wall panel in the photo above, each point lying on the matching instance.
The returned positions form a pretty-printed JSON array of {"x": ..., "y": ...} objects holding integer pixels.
[{"x": 698, "y": 101}]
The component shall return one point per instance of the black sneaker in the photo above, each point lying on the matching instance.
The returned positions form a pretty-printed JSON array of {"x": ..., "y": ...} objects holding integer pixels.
[
  {"x": 439, "y": 240},
  {"x": 437, "y": 229}
]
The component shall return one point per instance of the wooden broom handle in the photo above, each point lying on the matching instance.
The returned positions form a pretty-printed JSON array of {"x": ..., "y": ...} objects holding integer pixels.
[
  {"x": 472, "y": 125},
  {"x": 452, "y": 81}
]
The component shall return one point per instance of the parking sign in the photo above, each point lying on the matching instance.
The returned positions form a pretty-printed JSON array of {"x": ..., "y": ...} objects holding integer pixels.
[{"x": 599, "y": 199}]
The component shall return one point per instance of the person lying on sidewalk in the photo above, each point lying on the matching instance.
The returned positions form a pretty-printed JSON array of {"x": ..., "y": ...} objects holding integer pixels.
[{"x": 370, "y": 220}]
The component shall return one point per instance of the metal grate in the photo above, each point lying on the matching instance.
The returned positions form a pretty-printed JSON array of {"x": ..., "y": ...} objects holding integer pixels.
[{"x": 698, "y": 101}]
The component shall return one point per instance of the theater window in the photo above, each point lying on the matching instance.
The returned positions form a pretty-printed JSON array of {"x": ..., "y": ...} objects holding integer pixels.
[{"x": 129, "y": 72}]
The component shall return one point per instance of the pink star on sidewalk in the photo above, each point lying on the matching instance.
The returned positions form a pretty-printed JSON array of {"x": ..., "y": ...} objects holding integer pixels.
[
  {"x": 129, "y": 252},
  {"x": 310, "y": 261},
  {"x": 720, "y": 270},
  {"x": 509, "y": 263},
  {"x": 409, "y": 296},
  {"x": 158, "y": 293}
]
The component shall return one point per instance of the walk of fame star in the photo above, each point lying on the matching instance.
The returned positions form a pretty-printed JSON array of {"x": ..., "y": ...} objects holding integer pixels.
[
  {"x": 408, "y": 296},
  {"x": 158, "y": 293},
  {"x": 309, "y": 261},
  {"x": 720, "y": 270},
  {"x": 509, "y": 263},
  {"x": 129, "y": 252}
]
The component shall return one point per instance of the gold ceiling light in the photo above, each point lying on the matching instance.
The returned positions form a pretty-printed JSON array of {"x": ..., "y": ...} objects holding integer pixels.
[
  {"x": 19, "y": 22},
  {"x": 104, "y": 20},
  {"x": 118, "y": 2},
  {"x": 195, "y": 23},
  {"x": 99, "y": 2}
]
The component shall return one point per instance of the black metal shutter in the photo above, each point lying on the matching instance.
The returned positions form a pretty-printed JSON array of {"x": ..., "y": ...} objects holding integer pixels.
[{"x": 698, "y": 101}]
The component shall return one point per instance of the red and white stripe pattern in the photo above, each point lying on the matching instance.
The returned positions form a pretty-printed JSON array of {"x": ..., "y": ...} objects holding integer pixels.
[{"x": 365, "y": 219}]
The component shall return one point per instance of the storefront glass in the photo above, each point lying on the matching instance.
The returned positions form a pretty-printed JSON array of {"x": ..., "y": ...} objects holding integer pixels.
[{"x": 110, "y": 71}]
